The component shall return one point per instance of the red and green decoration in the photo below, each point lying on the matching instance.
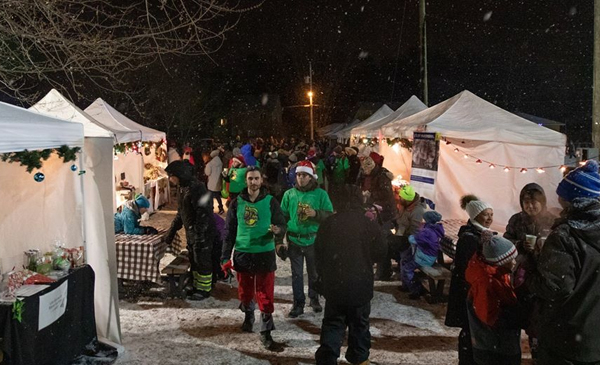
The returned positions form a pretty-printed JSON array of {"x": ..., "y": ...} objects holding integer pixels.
[
  {"x": 33, "y": 160},
  {"x": 131, "y": 147}
]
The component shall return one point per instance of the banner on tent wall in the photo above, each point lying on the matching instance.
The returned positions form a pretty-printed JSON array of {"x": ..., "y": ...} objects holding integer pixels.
[{"x": 425, "y": 157}]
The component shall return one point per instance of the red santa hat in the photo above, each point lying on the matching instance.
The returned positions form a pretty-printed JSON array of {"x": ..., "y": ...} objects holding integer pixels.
[{"x": 306, "y": 167}]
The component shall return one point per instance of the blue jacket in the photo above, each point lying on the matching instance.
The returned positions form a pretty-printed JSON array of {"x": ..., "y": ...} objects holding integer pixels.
[
  {"x": 128, "y": 220},
  {"x": 248, "y": 155}
]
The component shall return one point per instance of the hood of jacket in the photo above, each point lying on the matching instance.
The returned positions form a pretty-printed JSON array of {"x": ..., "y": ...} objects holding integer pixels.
[
  {"x": 583, "y": 216},
  {"x": 312, "y": 185},
  {"x": 246, "y": 151},
  {"x": 532, "y": 187},
  {"x": 261, "y": 194},
  {"x": 183, "y": 170}
]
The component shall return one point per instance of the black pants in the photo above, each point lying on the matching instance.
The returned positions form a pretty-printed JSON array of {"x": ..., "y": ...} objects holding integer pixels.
[
  {"x": 217, "y": 195},
  {"x": 548, "y": 357},
  {"x": 337, "y": 317},
  {"x": 297, "y": 254},
  {"x": 465, "y": 347}
]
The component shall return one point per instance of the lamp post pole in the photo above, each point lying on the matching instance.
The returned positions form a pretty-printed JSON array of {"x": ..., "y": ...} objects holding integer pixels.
[{"x": 310, "y": 96}]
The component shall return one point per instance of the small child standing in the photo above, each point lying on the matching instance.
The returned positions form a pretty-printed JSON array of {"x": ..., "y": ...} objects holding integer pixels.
[
  {"x": 425, "y": 245},
  {"x": 492, "y": 305}
]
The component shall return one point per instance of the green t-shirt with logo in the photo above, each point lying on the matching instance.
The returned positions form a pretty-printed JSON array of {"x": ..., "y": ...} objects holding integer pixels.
[
  {"x": 254, "y": 226},
  {"x": 293, "y": 200},
  {"x": 237, "y": 179}
]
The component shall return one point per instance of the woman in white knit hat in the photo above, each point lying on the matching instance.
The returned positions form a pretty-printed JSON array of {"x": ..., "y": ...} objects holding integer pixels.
[{"x": 481, "y": 217}]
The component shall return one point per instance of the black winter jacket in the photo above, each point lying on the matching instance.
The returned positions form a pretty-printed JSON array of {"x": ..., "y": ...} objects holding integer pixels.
[
  {"x": 567, "y": 279},
  {"x": 466, "y": 246},
  {"x": 382, "y": 193},
  {"x": 344, "y": 257}
]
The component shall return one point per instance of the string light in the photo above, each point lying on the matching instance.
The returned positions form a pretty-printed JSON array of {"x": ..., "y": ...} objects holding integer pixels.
[
  {"x": 466, "y": 156},
  {"x": 523, "y": 170},
  {"x": 448, "y": 142},
  {"x": 478, "y": 162},
  {"x": 492, "y": 166},
  {"x": 506, "y": 169},
  {"x": 540, "y": 170},
  {"x": 562, "y": 168},
  {"x": 456, "y": 150}
]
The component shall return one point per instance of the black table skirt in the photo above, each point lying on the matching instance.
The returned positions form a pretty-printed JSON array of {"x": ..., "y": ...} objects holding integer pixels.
[{"x": 60, "y": 342}]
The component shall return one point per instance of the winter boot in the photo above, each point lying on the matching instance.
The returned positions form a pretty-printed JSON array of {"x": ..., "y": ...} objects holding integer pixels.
[
  {"x": 266, "y": 339},
  {"x": 248, "y": 321},
  {"x": 297, "y": 310},
  {"x": 315, "y": 305},
  {"x": 198, "y": 294}
]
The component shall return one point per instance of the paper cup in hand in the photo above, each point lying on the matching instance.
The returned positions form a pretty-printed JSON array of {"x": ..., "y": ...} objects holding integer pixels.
[{"x": 530, "y": 241}]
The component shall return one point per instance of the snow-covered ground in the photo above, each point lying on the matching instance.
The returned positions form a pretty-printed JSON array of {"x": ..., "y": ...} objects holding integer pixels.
[{"x": 157, "y": 331}]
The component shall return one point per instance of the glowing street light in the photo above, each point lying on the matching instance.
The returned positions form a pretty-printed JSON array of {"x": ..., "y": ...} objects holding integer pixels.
[{"x": 312, "y": 128}]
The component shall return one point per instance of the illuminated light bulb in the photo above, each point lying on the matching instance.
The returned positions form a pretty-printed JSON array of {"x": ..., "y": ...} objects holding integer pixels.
[
  {"x": 563, "y": 168},
  {"x": 581, "y": 163},
  {"x": 466, "y": 156},
  {"x": 478, "y": 161},
  {"x": 540, "y": 170},
  {"x": 456, "y": 150},
  {"x": 365, "y": 140},
  {"x": 506, "y": 169},
  {"x": 116, "y": 157},
  {"x": 523, "y": 170},
  {"x": 492, "y": 166},
  {"x": 396, "y": 147}
]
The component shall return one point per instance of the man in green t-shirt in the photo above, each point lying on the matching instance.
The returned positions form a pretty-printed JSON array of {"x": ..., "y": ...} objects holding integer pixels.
[
  {"x": 305, "y": 207},
  {"x": 255, "y": 224}
]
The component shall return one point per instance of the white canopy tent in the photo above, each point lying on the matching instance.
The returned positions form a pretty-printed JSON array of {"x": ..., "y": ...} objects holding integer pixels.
[
  {"x": 330, "y": 128},
  {"x": 372, "y": 128},
  {"x": 128, "y": 166},
  {"x": 54, "y": 209},
  {"x": 482, "y": 131},
  {"x": 344, "y": 134}
]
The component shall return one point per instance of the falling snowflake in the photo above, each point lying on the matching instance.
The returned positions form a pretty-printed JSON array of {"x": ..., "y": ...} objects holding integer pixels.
[{"x": 487, "y": 16}]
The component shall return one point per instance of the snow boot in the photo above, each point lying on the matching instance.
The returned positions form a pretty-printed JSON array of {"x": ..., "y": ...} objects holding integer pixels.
[
  {"x": 297, "y": 310},
  {"x": 198, "y": 294},
  {"x": 266, "y": 339},
  {"x": 248, "y": 321},
  {"x": 315, "y": 305}
]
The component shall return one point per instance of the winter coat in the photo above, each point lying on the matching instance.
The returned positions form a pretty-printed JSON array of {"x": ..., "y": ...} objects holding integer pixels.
[
  {"x": 466, "y": 246},
  {"x": 493, "y": 309},
  {"x": 252, "y": 239},
  {"x": 428, "y": 243},
  {"x": 213, "y": 170},
  {"x": 344, "y": 257},
  {"x": 128, "y": 220},
  {"x": 410, "y": 218},
  {"x": 353, "y": 170},
  {"x": 382, "y": 194},
  {"x": 339, "y": 170},
  {"x": 248, "y": 155},
  {"x": 567, "y": 280}
]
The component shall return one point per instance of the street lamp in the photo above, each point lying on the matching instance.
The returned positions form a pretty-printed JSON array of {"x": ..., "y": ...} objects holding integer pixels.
[{"x": 312, "y": 129}]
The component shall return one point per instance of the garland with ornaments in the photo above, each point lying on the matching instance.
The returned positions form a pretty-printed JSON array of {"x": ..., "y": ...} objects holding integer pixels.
[
  {"x": 506, "y": 168},
  {"x": 34, "y": 159},
  {"x": 373, "y": 141},
  {"x": 131, "y": 147}
]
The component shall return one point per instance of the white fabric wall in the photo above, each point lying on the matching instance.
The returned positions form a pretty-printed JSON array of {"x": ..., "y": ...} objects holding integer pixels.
[
  {"x": 100, "y": 234},
  {"x": 396, "y": 159},
  {"x": 35, "y": 214},
  {"x": 458, "y": 176},
  {"x": 131, "y": 164}
]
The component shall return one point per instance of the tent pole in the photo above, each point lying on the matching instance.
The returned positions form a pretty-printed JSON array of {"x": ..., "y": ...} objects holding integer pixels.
[
  {"x": 423, "y": 47},
  {"x": 596, "y": 73},
  {"x": 83, "y": 211}
]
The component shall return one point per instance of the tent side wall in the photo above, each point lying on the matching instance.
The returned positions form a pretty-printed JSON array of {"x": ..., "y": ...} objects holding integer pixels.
[
  {"x": 458, "y": 176},
  {"x": 36, "y": 214},
  {"x": 100, "y": 234}
]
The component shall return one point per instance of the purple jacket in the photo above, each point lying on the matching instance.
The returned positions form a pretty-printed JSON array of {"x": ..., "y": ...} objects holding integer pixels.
[
  {"x": 220, "y": 224},
  {"x": 428, "y": 240}
]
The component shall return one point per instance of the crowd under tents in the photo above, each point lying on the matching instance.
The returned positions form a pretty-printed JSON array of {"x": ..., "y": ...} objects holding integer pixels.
[
  {"x": 485, "y": 150},
  {"x": 343, "y": 135},
  {"x": 71, "y": 204}
]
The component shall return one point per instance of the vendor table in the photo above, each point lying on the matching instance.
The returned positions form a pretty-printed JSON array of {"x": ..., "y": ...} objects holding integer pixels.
[
  {"x": 157, "y": 191},
  {"x": 62, "y": 340},
  {"x": 451, "y": 228},
  {"x": 138, "y": 256}
]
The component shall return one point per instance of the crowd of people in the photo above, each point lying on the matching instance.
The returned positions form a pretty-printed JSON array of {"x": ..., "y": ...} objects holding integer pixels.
[{"x": 290, "y": 199}]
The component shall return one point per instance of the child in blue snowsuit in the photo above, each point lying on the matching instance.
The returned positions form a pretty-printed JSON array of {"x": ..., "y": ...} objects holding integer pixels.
[
  {"x": 425, "y": 245},
  {"x": 128, "y": 220}
]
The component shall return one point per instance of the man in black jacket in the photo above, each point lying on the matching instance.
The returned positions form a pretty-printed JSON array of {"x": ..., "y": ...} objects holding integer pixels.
[
  {"x": 194, "y": 212},
  {"x": 344, "y": 261},
  {"x": 567, "y": 277}
]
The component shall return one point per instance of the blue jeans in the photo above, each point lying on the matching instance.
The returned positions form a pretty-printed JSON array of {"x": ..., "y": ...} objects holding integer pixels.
[{"x": 297, "y": 254}]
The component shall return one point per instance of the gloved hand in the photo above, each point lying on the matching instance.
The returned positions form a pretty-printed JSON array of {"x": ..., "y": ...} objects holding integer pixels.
[
  {"x": 151, "y": 230},
  {"x": 281, "y": 251},
  {"x": 226, "y": 267}
]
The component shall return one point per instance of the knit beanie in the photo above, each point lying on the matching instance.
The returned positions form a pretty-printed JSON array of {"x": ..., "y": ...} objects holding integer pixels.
[
  {"x": 337, "y": 149},
  {"x": 432, "y": 217},
  {"x": 497, "y": 250},
  {"x": 407, "y": 193},
  {"x": 583, "y": 182},
  {"x": 377, "y": 158},
  {"x": 307, "y": 167},
  {"x": 293, "y": 157},
  {"x": 475, "y": 207},
  {"x": 350, "y": 151},
  {"x": 142, "y": 202},
  {"x": 236, "y": 151}
]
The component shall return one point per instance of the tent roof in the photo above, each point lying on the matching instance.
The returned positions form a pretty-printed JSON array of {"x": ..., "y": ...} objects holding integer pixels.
[
  {"x": 380, "y": 113},
  {"x": 412, "y": 106},
  {"x": 21, "y": 129},
  {"x": 109, "y": 117},
  {"x": 329, "y": 128},
  {"x": 56, "y": 105},
  {"x": 467, "y": 116}
]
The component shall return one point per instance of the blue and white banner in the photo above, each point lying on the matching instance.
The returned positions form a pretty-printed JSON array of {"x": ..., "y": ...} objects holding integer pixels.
[{"x": 425, "y": 157}]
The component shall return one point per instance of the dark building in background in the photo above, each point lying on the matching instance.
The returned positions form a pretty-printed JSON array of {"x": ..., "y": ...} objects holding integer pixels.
[{"x": 256, "y": 116}]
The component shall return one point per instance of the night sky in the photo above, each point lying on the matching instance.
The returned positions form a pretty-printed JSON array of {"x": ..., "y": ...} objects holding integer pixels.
[{"x": 525, "y": 56}]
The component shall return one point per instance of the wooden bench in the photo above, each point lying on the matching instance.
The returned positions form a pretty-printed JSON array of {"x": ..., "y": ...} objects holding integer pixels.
[
  {"x": 436, "y": 277},
  {"x": 177, "y": 272}
]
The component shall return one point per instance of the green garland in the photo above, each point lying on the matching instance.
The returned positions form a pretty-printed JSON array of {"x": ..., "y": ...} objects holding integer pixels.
[
  {"x": 135, "y": 146},
  {"x": 404, "y": 142},
  {"x": 33, "y": 159}
]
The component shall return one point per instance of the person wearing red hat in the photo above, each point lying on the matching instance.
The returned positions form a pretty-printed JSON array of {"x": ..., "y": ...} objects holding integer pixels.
[
  {"x": 304, "y": 207},
  {"x": 236, "y": 176}
]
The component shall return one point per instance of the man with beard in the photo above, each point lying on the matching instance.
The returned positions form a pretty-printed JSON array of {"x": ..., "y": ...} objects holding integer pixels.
[
  {"x": 194, "y": 212},
  {"x": 255, "y": 224},
  {"x": 305, "y": 206}
]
